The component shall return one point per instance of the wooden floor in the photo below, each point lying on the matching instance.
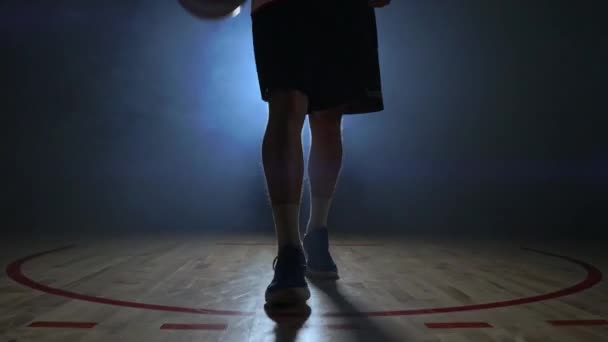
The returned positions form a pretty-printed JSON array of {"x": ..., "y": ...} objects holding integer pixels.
[{"x": 210, "y": 288}]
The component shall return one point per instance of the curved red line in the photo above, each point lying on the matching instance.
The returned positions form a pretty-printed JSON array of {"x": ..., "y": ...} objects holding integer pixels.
[
  {"x": 15, "y": 272},
  {"x": 594, "y": 276}
]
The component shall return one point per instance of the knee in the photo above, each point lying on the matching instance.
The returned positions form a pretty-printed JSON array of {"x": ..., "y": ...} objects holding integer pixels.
[
  {"x": 326, "y": 124},
  {"x": 287, "y": 110}
]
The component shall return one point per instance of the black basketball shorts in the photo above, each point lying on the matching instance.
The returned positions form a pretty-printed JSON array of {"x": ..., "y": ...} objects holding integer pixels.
[{"x": 328, "y": 49}]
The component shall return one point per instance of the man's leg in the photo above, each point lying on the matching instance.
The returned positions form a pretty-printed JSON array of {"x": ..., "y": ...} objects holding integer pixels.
[
  {"x": 283, "y": 162},
  {"x": 324, "y": 166}
]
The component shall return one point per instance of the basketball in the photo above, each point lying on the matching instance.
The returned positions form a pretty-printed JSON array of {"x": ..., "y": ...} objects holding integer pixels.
[{"x": 212, "y": 9}]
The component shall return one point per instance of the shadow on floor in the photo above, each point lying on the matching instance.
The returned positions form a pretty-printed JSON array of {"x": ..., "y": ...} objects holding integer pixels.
[
  {"x": 289, "y": 320},
  {"x": 363, "y": 328}
]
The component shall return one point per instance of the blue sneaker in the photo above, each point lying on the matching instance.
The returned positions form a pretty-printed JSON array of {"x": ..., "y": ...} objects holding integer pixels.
[
  {"x": 288, "y": 285},
  {"x": 319, "y": 263}
]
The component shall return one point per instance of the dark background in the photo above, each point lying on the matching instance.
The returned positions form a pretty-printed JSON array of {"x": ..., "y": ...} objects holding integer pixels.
[{"x": 132, "y": 116}]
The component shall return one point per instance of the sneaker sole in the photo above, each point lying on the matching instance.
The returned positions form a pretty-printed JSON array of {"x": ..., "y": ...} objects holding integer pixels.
[
  {"x": 322, "y": 274},
  {"x": 288, "y": 296}
]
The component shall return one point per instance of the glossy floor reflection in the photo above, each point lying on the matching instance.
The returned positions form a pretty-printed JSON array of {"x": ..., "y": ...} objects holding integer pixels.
[{"x": 210, "y": 288}]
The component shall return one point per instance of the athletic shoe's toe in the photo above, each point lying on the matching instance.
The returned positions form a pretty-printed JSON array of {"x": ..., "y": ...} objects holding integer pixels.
[
  {"x": 319, "y": 262},
  {"x": 289, "y": 284}
]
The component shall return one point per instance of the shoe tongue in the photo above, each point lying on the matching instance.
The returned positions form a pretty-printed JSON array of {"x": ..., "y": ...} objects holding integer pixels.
[
  {"x": 321, "y": 236},
  {"x": 291, "y": 252},
  {"x": 288, "y": 249}
]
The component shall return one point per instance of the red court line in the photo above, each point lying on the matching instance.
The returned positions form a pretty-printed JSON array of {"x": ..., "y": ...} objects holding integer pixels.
[
  {"x": 457, "y": 325},
  {"x": 179, "y": 326},
  {"x": 49, "y": 324},
  {"x": 583, "y": 322},
  {"x": 594, "y": 276},
  {"x": 15, "y": 272}
]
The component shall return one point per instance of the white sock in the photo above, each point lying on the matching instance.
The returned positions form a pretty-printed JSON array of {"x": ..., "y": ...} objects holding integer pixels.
[
  {"x": 319, "y": 211},
  {"x": 287, "y": 224}
]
